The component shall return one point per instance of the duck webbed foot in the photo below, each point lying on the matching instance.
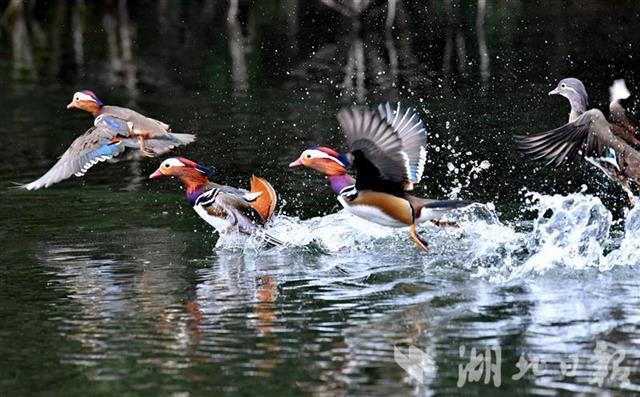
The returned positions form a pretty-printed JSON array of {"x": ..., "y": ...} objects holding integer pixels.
[
  {"x": 420, "y": 242},
  {"x": 440, "y": 223},
  {"x": 144, "y": 151}
]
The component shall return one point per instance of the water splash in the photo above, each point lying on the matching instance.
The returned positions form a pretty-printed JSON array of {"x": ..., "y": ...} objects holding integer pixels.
[
  {"x": 490, "y": 247},
  {"x": 568, "y": 231},
  {"x": 341, "y": 231},
  {"x": 627, "y": 252},
  {"x": 464, "y": 173},
  {"x": 572, "y": 232}
]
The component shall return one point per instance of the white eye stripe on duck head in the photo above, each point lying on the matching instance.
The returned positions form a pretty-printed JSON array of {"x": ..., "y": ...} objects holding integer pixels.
[
  {"x": 566, "y": 90},
  {"x": 81, "y": 96},
  {"x": 168, "y": 163},
  {"x": 319, "y": 154}
]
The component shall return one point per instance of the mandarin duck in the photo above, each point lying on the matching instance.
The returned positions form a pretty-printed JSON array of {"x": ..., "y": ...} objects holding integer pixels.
[
  {"x": 115, "y": 131},
  {"x": 387, "y": 149},
  {"x": 610, "y": 145},
  {"x": 227, "y": 209}
]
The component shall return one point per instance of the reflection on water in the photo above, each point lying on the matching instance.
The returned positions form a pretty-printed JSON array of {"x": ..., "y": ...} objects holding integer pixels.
[
  {"x": 110, "y": 285},
  {"x": 154, "y": 312}
]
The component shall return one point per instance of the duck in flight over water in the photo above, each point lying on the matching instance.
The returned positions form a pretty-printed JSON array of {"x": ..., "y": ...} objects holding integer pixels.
[
  {"x": 116, "y": 133},
  {"x": 610, "y": 145}
]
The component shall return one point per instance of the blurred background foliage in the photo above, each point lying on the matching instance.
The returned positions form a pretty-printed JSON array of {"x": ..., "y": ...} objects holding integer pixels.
[{"x": 249, "y": 76}]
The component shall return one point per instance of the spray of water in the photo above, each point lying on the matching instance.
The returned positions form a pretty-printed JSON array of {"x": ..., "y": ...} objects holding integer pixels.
[{"x": 572, "y": 232}]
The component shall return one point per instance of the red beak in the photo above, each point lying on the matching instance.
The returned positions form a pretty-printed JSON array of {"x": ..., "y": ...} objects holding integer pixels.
[
  {"x": 296, "y": 163},
  {"x": 157, "y": 174},
  {"x": 71, "y": 105}
]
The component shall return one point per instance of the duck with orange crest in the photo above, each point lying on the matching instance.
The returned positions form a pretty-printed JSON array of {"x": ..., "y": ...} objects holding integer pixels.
[
  {"x": 227, "y": 209},
  {"x": 117, "y": 133},
  {"x": 387, "y": 149}
]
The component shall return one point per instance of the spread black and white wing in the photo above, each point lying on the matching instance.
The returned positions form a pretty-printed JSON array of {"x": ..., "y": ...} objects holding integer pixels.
[
  {"x": 375, "y": 148},
  {"x": 413, "y": 134}
]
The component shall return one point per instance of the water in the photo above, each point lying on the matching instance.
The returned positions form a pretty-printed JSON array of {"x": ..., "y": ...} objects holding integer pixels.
[{"x": 111, "y": 285}]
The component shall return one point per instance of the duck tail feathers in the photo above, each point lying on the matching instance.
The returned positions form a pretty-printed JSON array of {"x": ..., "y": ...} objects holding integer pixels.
[{"x": 183, "y": 139}]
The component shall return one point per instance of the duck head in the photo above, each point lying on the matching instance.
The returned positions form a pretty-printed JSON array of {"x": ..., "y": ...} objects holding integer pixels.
[
  {"x": 324, "y": 160},
  {"x": 193, "y": 176},
  {"x": 87, "y": 101},
  {"x": 573, "y": 89}
]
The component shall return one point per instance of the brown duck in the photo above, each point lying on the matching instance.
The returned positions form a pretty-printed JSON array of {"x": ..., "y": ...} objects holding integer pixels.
[{"x": 611, "y": 145}]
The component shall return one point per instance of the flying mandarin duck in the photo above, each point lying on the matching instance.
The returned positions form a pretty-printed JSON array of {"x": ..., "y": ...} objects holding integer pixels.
[{"x": 115, "y": 131}]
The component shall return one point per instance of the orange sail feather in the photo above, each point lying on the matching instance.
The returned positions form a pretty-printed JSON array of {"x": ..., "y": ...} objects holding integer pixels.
[{"x": 265, "y": 204}]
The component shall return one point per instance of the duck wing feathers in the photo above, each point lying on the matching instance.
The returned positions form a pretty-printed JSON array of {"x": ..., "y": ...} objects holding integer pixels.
[
  {"x": 589, "y": 135},
  {"x": 96, "y": 145},
  {"x": 232, "y": 204},
  {"x": 413, "y": 134},
  {"x": 376, "y": 151}
]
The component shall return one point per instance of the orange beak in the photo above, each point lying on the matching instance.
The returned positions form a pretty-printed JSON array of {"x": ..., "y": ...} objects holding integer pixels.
[
  {"x": 71, "y": 105},
  {"x": 157, "y": 174},
  {"x": 297, "y": 163}
]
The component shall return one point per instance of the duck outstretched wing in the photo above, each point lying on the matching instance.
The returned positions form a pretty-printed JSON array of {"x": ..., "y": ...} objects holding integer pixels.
[
  {"x": 413, "y": 134},
  {"x": 376, "y": 151},
  {"x": 97, "y": 144},
  {"x": 588, "y": 135}
]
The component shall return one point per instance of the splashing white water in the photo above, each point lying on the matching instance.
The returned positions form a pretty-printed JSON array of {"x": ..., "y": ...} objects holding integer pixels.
[
  {"x": 337, "y": 232},
  {"x": 627, "y": 253},
  {"x": 334, "y": 232},
  {"x": 570, "y": 232},
  {"x": 574, "y": 232},
  {"x": 462, "y": 174}
]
